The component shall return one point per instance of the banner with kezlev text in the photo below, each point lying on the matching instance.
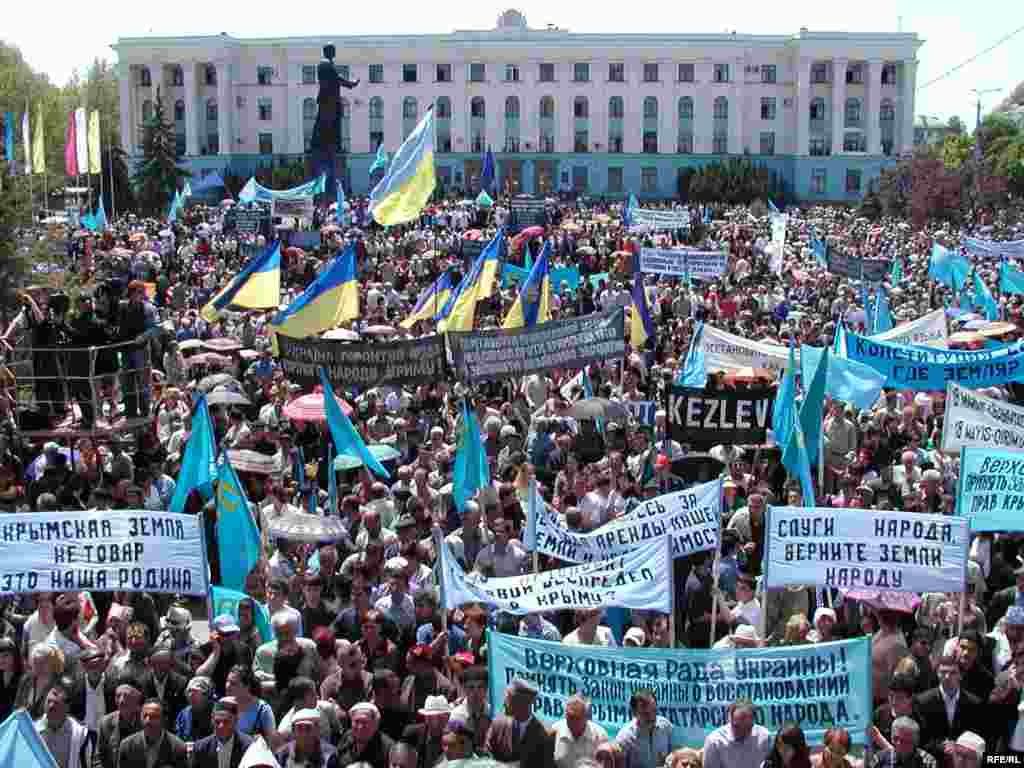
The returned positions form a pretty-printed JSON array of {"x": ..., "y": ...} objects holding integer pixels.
[
  {"x": 930, "y": 368},
  {"x": 819, "y": 686},
  {"x": 973, "y": 420},
  {"x": 689, "y": 518},
  {"x": 701, "y": 418},
  {"x": 573, "y": 343},
  {"x": 685, "y": 262},
  {"x": 636, "y": 579},
  {"x": 110, "y": 550},
  {"x": 865, "y": 549},
  {"x": 362, "y": 365},
  {"x": 990, "y": 493}
]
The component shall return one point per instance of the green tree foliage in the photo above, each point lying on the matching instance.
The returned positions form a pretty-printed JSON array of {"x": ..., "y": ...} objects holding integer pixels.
[
  {"x": 157, "y": 174},
  {"x": 956, "y": 148},
  {"x": 736, "y": 180},
  {"x": 955, "y": 126},
  {"x": 14, "y": 265},
  {"x": 23, "y": 88}
]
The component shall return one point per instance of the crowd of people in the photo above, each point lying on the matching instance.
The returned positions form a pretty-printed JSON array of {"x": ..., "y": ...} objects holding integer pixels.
[{"x": 365, "y": 667}]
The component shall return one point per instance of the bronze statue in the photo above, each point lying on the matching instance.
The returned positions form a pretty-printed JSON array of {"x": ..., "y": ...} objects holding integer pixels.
[{"x": 326, "y": 141}]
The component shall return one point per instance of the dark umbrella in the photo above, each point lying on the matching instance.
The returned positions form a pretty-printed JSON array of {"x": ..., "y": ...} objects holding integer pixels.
[
  {"x": 599, "y": 408},
  {"x": 227, "y": 397}
]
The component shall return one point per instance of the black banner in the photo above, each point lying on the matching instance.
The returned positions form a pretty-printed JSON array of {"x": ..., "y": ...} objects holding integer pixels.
[
  {"x": 249, "y": 221},
  {"x": 363, "y": 365},
  {"x": 573, "y": 343},
  {"x": 528, "y": 212},
  {"x": 856, "y": 268},
  {"x": 702, "y": 419}
]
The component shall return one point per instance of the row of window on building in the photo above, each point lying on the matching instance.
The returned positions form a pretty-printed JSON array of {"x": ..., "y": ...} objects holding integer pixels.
[{"x": 821, "y": 72}]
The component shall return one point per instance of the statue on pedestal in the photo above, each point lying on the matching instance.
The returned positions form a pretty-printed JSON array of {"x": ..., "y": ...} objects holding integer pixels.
[{"x": 326, "y": 141}]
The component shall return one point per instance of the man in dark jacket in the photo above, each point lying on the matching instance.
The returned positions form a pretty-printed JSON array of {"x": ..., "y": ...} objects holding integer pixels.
[
  {"x": 86, "y": 332},
  {"x": 364, "y": 741},
  {"x": 118, "y": 726},
  {"x": 152, "y": 746},
  {"x": 206, "y": 752},
  {"x": 308, "y": 748},
  {"x": 947, "y": 711}
]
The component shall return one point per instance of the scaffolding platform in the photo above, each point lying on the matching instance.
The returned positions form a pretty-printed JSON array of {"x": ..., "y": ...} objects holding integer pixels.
[{"x": 60, "y": 380}]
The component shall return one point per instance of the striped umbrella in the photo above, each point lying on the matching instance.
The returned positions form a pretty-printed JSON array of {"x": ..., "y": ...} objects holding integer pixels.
[{"x": 311, "y": 408}]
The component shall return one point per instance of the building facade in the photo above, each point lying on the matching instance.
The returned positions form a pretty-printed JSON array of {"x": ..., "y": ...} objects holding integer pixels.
[{"x": 600, "y": 114}]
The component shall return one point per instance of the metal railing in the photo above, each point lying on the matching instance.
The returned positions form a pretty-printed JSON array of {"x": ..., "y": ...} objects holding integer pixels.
[{"x": 49, "y": 381}]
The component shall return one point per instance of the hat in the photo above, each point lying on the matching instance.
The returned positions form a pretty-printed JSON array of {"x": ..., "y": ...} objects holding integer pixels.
[
  {"x": 521, "y": 687},
  {"x": 436, "y": 705},
  {"x": 508, "y": 431},
  {"x": 636, "y": 636},
  {"x": 972, "y": 741},
  {"x": 178, "y": 617},
  {"x": 823, "y": 612},
  {"x": 308, "y": 715},
  {"x": 199, "y": 684},
  {"x": 226, "y": 624},
  {"x": 746, "y": 632},
  {"x": 364, "y": 706}
]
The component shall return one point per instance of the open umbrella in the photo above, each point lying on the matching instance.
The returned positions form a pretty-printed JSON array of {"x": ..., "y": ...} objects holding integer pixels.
[
  {"x": 599, "y": 408},
  {"x": 302, "y": 526},
  {"x": 208, "y": 383},
  {"x": 902, "y": 602},
  {"x": 341, "y": 334},
  {"x": 208, "y": 358},
  {"x": 227, "y": 397},
  {"x": 223, "y": 345},
  {"x": 379, "y": 451},
  {"x": 974, "y": 325},
  {"x": 379, "y": 330},
  {"x": 254, "y": 462},
  {"x": 748, "y": 375},
  {"x": 188, "y": 344},
  {"x": 966, "y": 337},
  {"x": 311, "y": 408},
  {"x": 249, "y": 354},
  {"x": 997, "y": 329}
]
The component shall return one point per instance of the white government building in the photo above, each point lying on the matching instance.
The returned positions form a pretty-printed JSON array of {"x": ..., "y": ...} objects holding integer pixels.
[{"x": 600, "y": 114}]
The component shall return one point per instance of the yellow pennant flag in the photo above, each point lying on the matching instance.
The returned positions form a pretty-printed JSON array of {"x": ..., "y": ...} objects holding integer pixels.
[
  {"x": 94, "y": 142},
  {"x": 38, "y": 155}
]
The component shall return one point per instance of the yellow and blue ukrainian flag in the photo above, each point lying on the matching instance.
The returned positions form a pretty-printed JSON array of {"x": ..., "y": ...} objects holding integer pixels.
[
  {"x": 533, "y": 305},
  {"x": 641, "y": 325},
  {"x": 257, "y": 286},
  {"x": 459, "y": 313},
  {"x": 329, "y": 300},
  {"x": 401, "y": 194},
  {"x": 430, "y": 301}
]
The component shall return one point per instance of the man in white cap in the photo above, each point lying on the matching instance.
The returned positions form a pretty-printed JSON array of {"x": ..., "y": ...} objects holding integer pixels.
[
  {"x": 824, "y": 626},
  {"x": 307, "y": 749},
  {"x": 427, "y": 736},
  {"x": 364, "y": 742},
  {"x": 969, "y": 750}
]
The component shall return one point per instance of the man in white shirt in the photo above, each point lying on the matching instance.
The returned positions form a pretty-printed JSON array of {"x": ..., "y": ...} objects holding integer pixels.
[
  {"x": 739, "y": 743},
  {"x": 577, "y": 737},
  {"x": 602, "y": 504},
  {"x": 502, "y": 557}
]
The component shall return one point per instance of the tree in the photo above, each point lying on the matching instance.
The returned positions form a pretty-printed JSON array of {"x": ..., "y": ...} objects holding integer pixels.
[
  {"x": 13, "y": 214},
  {"x": 955, "y": 126},
  {"x": 956, "y": 148},
  {"x": 156, "y": 177}
]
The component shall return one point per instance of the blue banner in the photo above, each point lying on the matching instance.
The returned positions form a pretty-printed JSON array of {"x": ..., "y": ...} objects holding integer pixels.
[
  {"x": 820, "y": 686},
  {"x": 978, "y": 246},
  {"x": 511, "y": 274},
  {"x": 634, "y": 580},
  {"x": 929, "y": 368},
  {"x": 990, "y": 493}
]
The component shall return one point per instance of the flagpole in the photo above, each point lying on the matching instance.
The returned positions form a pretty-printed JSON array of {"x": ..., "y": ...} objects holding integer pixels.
[
  {"x": 99, "y": 131},
  {"x": 110, "y": 160},
  {"x": 714, "y": 592}
]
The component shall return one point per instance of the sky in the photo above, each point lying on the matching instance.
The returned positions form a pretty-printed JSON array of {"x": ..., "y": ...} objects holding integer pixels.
[{"x": 952, "y": 31}]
